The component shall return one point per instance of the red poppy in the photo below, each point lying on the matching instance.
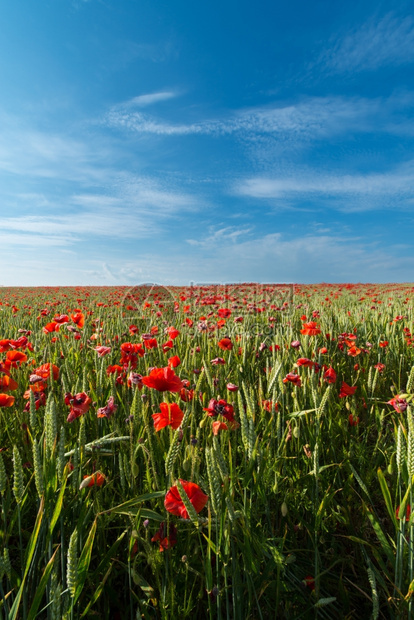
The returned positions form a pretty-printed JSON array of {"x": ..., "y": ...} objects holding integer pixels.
[
  {"x": 163, "y": 380},
  {"x": 232, "y": 387},
  {"x": 172, "y": 332},
  {"x": 293, "y": 378},
  {"x": 399, "y": 404},
  {"x": 346, "y": 390},
  {"x": 96, "y": 479},
  {"x": 310, "y": 582},
  {"x": 353, "y": 420},
  {"x": 6, "y": 400},
  {"x": 167, "y": 346},
  {"x": 407, "y": 513},
  {"x": 5, "y": 368},
  {"x": 133, "y": 329},
  {"x": 108, "y": 410},
  {"x": 79, "y": 405},
  {"x": 303, "y": 361},
  {"x": 170, "y": 415},
  {"x": 15, "y": 357},
  {"x": 174, "y": 361},
  {"x": 135, "y": 379},
  {"x": 78, "y": 319},
  {"x": 150, "y": 343},
  {"x": 4, "y": 346},
  {"x": 383, "y": 344},
  {"x": 40, "y": 400},
  {"x": 101, "y": 351},
  {"x": 63, "y": 318},
  {"x": 167, "y": 539},
  {"x": 225, "y": 344},
  {"x": 330, "y": 375},
  {"x": 380, "y": 367},
  {"x": 186, "y": 395},
  {"x": 112, "y": 369},
  {"x": 310, "y": 329},
  {"x": 224, "y": 313},
  {"x": 127, "y": 347},
  {"x": 139, "y": 349},
  {"x": 174, "y": 504},
  {"x": 36, "y": 387},
  {"x": 270, "y": 406},
  {"x": 354, "y": 351},
  {"x": 220, "y": 407},
  {"x": 218, "y": 361},
  {"x": 44, "y": 371},
  {"x": 51, "y": 327},
  {"x": 219, "y": 426},
  {"x": 21, "y": 342},
  {"x": 8, "y": 384}
]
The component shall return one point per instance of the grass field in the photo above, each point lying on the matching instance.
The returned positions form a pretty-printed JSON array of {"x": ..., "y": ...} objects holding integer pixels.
[{"x": 235, "y": 452}]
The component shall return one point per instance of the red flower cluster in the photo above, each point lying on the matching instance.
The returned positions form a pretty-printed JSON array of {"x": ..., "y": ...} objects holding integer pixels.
[{"x": 223, "y": 408}]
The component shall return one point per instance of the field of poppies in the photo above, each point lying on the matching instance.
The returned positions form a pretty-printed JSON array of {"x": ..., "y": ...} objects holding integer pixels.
[{"x": 232, "y": 452}]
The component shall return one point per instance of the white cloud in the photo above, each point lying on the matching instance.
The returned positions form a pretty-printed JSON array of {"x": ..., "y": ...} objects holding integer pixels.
[
  {"x": 219, "y": 236},
  {"x": 31, "y": 239},
  {"x": 309, "y": 119},
  {"x": 132, "y": 208},
  {"x": 350, "y": 192},
  {"x": 377, "y": 43},
  {"x": 150, "y": 98}
]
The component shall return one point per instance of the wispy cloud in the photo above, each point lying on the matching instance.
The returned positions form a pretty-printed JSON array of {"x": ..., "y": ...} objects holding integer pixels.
[
  {"x": 149, "y": 99},
  {"x": 138, "y": 208},
  {"x": 222, "y": 236},
  {"x": 377, "y": 43},
  {"x": 346, "y": 192},
  {"x": 311, "y": 118}
]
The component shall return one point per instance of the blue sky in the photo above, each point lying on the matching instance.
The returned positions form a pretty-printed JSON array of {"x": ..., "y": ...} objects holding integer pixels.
[{"x": 173, "y": 142}]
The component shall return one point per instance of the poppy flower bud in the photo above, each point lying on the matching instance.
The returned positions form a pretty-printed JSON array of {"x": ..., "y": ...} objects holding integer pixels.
[{"x": 232, "y": 387}]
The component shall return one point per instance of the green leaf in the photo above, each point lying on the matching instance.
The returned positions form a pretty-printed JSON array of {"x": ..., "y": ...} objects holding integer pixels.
[
  {"x": 401, "y": 511},
  {"x": 58, "y": 507},
  {"x": 41, "y": 588},
  {"x": 29, "y": 552},
  {"x": 380, "y": 534},
  {"x": 97, "y": 592},
  {"x": 144, "y": 585},
  {"x": 84, "y": 561},
  {"x": 146, "y": 513},
  {"x": 387, "y": 497},
  {"x": 126, "y": 506}
]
